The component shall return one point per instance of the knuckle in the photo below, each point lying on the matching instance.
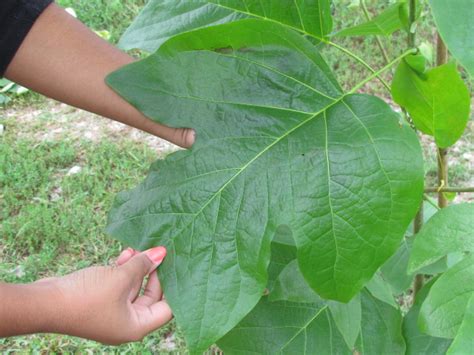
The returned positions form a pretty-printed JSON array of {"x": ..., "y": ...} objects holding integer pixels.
[{"x": 144, "y": 263}]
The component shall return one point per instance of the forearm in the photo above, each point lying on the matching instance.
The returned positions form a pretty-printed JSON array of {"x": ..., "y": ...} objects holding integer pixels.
[
  {"x": 61, "y": 58},
  {"x": 27, "y": 309}
]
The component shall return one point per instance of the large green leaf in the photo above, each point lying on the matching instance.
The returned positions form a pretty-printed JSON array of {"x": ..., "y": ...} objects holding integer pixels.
[
  {"x": 385, "y": 23},
  {"x": 443, "y": 310},
  {"x": 464, "y": 341},
  {"x": 417, "y": 342},
  {"x": 302, "y": 328},
  {"x": 438, "y": 101},
  {"x": 448, "y": 231},
  {"x": 277, "y": 143},
  {"x": 162, "y": 19},
  {"x": 455, "y": 24}
]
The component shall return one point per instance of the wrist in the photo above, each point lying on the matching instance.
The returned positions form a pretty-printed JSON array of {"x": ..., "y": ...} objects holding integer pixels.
[{"x": 28, "y": 308}]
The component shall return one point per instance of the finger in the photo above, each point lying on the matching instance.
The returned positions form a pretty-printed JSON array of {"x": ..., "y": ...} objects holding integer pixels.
[
  {"x": 125, "y": 256},
  {"x": 143, "y": 264},
  {"x": 184, "y": 137},
  {"x": 154, "y": 316},
  {"x": 152, "y": 293}
]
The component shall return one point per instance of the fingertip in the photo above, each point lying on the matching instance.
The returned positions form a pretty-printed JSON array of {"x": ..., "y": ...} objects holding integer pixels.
[
  {"x": 156, "y": 255},
  {"x": 190, "y": 137}
]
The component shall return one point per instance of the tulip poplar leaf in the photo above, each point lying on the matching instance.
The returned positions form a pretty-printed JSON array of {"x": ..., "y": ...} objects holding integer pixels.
[{"x": 278, "y": 143}]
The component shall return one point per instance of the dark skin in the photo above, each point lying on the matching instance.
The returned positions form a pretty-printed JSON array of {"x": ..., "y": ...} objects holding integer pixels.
[{"x": 63, "y": 59}]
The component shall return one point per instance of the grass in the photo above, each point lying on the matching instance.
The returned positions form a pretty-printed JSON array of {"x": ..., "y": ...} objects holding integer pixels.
[
  {"x": 113, "y": 16},
  {"x": 51, "y": 221}
]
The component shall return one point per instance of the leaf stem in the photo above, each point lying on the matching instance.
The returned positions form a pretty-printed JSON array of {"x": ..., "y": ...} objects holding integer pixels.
[
  {"x": 361, "y": 61},
  {"x": 450, "y": 189},
  {"x": 430, "y": 201},
  {"x": 411, "y": 21},
  {"x": 442, "y": 58},
  {"x": 377, "y": 38},
  {"x": 378, "y": 72},
  {"x": 417, "y": 225}
]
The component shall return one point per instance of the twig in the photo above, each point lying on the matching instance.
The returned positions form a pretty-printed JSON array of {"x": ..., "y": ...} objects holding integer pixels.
[
  {"x": 449, "y": 189},
  {"x": 377, "y": 38}
]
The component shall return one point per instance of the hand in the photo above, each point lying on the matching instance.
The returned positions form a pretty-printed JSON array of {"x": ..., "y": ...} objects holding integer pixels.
[
  {"x": 103, "y": 303},
  {"x": 66, "y": 61}
]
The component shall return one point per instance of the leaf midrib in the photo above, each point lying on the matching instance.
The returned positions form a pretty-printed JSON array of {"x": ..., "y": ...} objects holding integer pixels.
[{"x": 301, "y": 30}]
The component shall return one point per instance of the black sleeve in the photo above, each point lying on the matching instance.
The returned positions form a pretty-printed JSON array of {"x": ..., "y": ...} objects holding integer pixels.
[{"x": 16, "y": 19}]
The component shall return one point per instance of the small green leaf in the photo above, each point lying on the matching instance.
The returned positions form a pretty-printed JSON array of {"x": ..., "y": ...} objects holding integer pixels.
[
  {"x": 385, "y": 24},
  {"x": 380, "y": 289},
  {"x": 437, "y": 101},
  {"x": 417, "y": 62},
  {"x": 448, "y": 231},
  {"x": 291, "y": 286},
  {"x": 464, "y": 341},
  {"x": 163, "y": 19},
  {"x": 450, "y": 196},
  {"x": 394, "y": 271},
  {"x": 456, "y": 26},
  {"x": 348, "y": 318},
  {"x": 426, "y": 50},
  {"x": 443, "y": 310},
  {"x": 404, "y": 16},
  {"x": 283, "y": 251},
  {"x": 417, "y": 342}
]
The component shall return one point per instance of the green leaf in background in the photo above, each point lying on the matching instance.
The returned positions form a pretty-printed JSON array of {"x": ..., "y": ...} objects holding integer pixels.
[
  {"x": 381, "y": 290},
  {"x": 395, "y": 270},
  {"x": 448, "y": 231},
  {"x": 291, "y": 286},
  {"x": 443, "y": 310},
  {"x": 437, "y": 101},
  {"x": 162, "y": 19},
  {"x": 4, "y": 99},
  {"x": 387, "y": 22},
  {"x": 454, "y": 20},
  {"x": 283, "y": 251},
  {"x": 417, "y": 342},
  {"x": 277, "y": 143},
  {"x": 464, "y": 341},
  {"x": 348, "y": 318},
  {"x": 301, "y": 328}
]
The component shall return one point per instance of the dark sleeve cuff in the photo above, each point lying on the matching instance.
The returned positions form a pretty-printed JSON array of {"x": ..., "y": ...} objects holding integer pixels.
[{"x": 16, "y": 20}]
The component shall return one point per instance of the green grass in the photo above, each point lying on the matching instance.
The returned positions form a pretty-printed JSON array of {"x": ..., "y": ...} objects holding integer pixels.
[
  {"x": 109, "y": 15},
  {"x": 51, "y": 222},
  {"x": 50, "y": 218}
]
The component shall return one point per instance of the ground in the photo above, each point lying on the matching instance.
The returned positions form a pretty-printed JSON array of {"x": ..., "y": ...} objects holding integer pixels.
[{"x": 61, "y": 167}]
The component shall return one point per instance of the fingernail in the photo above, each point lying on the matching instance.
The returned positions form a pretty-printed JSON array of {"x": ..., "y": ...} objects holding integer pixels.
[{"x": 156, "y": 255}]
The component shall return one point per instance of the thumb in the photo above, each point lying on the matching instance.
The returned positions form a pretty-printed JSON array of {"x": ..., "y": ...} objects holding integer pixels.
[
  {"x": 184, "y": 137},
  {"x": 146, "y": 262}
]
